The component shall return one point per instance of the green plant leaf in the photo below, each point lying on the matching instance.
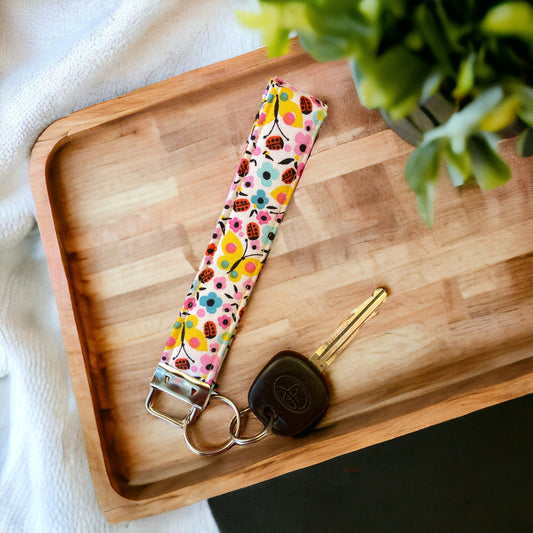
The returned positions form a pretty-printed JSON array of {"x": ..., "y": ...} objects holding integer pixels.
[
  {"x": 275, "y": 21},
  {"x": 489, "y": 169},
  {"x": 465, "y": 76},
  {"x": 510, "y": 19},
  {"x": 421, "y": 173},
  {"x": 525, "y": 111},
  {"x": 524, "y": 143},
  {"x": 464, "y": 123},
  {"x": 459, "y": 166},
  {"x": 375, "y": 74},
  {"x": 502, "y": 115}
]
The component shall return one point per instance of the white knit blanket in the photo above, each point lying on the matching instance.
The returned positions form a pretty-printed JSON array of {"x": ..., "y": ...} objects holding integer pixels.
[{"x": 57, "y": 56}]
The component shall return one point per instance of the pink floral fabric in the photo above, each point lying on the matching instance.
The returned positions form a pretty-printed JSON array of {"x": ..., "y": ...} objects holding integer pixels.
[{"x": 277, "y": 149}]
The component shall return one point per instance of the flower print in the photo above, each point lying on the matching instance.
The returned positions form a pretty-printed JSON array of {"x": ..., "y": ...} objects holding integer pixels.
[
  {"x": 248, "y": 182},
  {"x": 194, "y": 286},
  {"x": 189, "y": 304},
  {"x": 254, "y": 245},
  {"x": 248, "y": 285},
  {"x": 213, "y": 348},
  {"x": 303, "y": 143},
  {"x": 300, "y": 169},
  {"x": 224, "y": 321},
  {"x": 225, "y": 337},
  {"x": 260, "y": 199},
  {"x": 263, "y": 217},
  {"x": 269, "y": 232},
  {"x": 211, "y": 302},
  {"x": 268, "y": 174},
  {"x": 211, "y": 249},
  {"x": 309, "y": 125},
  {"x": 319, "y": 115},
  {"x": 216, "y": 233},
  {"x": 235, "y": 224},
  {"x": 207, "y": 364},
  {"x": 220, "y": 283},
  {"x": 226, "y": 308}
]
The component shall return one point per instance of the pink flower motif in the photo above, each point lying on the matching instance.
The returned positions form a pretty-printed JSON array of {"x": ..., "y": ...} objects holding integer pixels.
[
  {"x": 216, "y": 233},
  {"x": 248, "y": 182},
  {"x": 226, "y": 308},
  {"x": 300, "y": 169},
  {"x": 213, "y": 347},
  {"x": 238, "y": 295},
  {"x": 254, "y": 245},
  {"x": 224, "y": 321},
  {"x": 308, "y": 124},
  {"x": 207, "y": 363},
  {"x": 249, "y": 284},
  {"x": 220, "y": 283},
  {"x": 190, "y": 303},
  {"x": 235, "y": 224},
  {"x": 303, "y": 143},
  {"x": 263, "y": 217}
]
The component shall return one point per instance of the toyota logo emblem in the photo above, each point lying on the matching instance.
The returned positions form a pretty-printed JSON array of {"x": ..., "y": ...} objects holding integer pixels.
[{"x": 291, "y": 393}]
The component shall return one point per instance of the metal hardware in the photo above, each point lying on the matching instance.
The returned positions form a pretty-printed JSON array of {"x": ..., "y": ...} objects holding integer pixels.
[
  {"x": 224, "y": 446},
  {"x": 347, "y": 330},
  {"x": 243, "y": 441},
  {"x": 180, "y": 385},
  {"x": 179, "y": 422}
]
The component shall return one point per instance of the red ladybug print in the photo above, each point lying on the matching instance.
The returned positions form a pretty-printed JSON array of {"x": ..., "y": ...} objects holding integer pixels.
[
  {"x": 289, "y": 176},
  {"x": 211, "y": 249},
  {"x": 253, "y": 231},
  {"x": 305, "y": 105},
  {"x": 206, "y": 275},
  {"x": 244, "y": 166},
  {"x": 241, "y": 204},
  {"x": 182, "y": 364},
  {"x": 275, "y": 142},
  {"x": 210, "y": 329}
]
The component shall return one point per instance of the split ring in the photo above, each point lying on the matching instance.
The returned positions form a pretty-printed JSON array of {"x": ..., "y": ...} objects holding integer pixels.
[
  {"x": 242, "y": 441},
  {"x": 235, "y": 423}
]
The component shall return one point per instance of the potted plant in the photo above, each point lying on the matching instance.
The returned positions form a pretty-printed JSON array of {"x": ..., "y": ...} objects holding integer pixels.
[{"x": 449, "y": 76}]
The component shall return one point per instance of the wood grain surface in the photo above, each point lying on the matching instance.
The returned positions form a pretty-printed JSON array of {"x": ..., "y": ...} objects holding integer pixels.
[{"x": 127, "y": 194}]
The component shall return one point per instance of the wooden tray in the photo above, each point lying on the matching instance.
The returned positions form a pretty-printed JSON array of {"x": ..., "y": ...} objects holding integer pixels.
[{"x": 117, "y": 189}]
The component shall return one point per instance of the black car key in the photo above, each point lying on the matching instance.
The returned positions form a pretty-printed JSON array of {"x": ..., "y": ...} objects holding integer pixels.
[{"x": 290, "y": 392}]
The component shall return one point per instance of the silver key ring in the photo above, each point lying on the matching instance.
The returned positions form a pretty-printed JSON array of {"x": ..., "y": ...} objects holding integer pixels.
[
  {"x": 236, "y": 421},
  {"x": 243, "y": 441}
]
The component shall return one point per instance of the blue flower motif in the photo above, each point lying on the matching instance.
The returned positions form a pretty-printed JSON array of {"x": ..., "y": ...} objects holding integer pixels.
[
  {"x": 211, "y": 302},
  {"x": 268, "y": 233},
  {"x": 268, "y": 174},
  {"x": 260, "y": 199}
]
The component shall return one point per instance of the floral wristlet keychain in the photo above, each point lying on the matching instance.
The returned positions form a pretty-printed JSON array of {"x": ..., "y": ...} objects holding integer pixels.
[{"x": 277, "y": 149}]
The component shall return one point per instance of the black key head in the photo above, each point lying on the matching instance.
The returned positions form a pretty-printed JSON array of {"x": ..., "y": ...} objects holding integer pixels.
[{"x": 291, "y": 390}]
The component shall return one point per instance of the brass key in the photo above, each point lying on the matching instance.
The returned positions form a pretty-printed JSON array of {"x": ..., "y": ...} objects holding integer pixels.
[{"x": 291, "y": 391}]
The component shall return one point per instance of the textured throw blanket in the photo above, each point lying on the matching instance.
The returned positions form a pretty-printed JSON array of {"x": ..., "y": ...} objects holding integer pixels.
[{"x": 57, "y": 56}]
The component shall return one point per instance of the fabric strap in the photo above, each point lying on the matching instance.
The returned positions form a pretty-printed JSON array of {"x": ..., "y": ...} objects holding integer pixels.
[{"x": 276, "y": 152}]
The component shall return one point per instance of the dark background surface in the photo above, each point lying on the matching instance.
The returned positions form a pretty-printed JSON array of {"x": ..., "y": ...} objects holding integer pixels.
[{"x": 472, "y": 474}]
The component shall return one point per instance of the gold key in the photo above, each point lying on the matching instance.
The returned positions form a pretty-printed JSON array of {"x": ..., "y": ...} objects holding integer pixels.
[{"x": 290, "y": 392}]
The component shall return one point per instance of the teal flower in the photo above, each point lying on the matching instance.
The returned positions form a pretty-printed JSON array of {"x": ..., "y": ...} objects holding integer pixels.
[
  {"x": 260, "y": 199},
  {"x": 268, "y": 233},
  {"x": 268, "y": 174},
  {"x": 211, "y": 302}
]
